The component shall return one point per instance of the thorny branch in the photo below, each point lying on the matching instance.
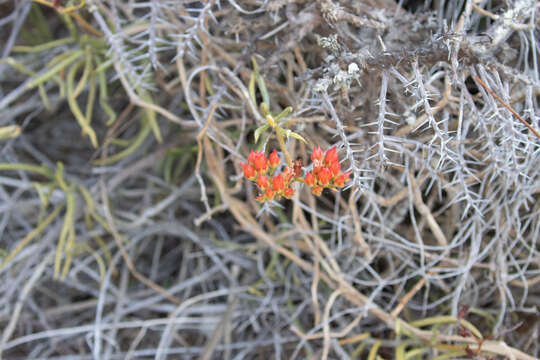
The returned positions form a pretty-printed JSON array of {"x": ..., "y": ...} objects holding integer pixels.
[{"x": 442, "y": 209}]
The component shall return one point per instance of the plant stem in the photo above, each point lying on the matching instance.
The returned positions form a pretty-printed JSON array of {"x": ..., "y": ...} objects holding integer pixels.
[{"x": 282, "y": 145}]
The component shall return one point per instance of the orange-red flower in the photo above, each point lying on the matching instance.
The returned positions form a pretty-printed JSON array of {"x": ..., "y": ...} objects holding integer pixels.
[
  {"x": 342, "y": 179},
  {"x": 325, "y": 175},
  {"x": 249, "y": 171},
  {"x": 258, "y": 160},
  {"x": 263, "y": 182},
  {"x": 335, "y": 167},
  {"x": 269, "y": 194},
  {"x": 288, "y": 174},
  {"x": 277, "y": 183},
  {"x": 288, "y": 193},
  {"x": 274, "y": 159},
  {"x": 317, "y": 154},
  {"x": 331, "y": 156},
  {"x": 309, "y": 179}
]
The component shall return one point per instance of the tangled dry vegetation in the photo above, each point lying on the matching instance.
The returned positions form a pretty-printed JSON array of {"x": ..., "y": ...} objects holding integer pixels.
[{"x": 127, "y": 230}]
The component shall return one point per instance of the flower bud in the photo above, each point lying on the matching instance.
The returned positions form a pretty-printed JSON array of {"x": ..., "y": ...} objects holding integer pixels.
[
  {"x": 263, "y": 182},
  {"x": 335, "y": 167},
  {"x": 331, "y": 156},
  {"x": 249, "y": 171},
  {"x": 277, "y": 183},
  {"x": 317, "y": 190},
  {"x": 342, "y": 179},
  {"x": 274, "y": 159},
  {"x": 288, "y": 193},
  {"x": 270, "y": 120},
  {"x": 269, "y": 194},
  {"x": 258, "y": 160},
  {"x": 325, "y": 176},
  {"x": 317, "y": 154},
  {"x": 310, "y": 179}
]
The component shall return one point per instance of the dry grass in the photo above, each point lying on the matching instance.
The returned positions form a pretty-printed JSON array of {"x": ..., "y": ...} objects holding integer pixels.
[{"x": 127, "y": 230}]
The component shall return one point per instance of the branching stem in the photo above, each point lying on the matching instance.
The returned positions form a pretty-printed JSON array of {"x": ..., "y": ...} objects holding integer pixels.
[
  {"x": 489, "y": 90},
  {"x": 279, "y": 136}
]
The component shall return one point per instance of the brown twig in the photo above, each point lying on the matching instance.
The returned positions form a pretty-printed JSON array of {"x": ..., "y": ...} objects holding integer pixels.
[
  {"x": 408, "y": 297},
  {"x": 508, "y": 107},
  {"x": 424, "y": 210},
  {"x": 200, "y": 137}
]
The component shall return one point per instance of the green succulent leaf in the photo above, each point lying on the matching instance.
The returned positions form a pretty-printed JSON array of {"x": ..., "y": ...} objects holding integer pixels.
[
  {"x": 290, "y": 133},
  {"x": 259, "y": 131},
  {"x": 9, "y": 132},
  {"x": 284, "y": 113},
  {"x": 260, "y": 83},
  {"x": 251, "y": 89}
]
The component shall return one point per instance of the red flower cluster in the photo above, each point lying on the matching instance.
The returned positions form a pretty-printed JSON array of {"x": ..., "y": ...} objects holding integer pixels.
[
  {"x": 260, "y": 170},
  {"x": 326, "y": 171}
]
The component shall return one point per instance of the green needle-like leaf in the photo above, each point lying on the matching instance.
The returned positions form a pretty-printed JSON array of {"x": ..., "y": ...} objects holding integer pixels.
[
  {"x": 290, "y": 133},
  {"x": 259, "y": 131}
]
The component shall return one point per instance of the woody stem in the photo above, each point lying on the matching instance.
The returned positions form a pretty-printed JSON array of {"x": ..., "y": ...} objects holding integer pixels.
[{"x": 282, "y": 145}]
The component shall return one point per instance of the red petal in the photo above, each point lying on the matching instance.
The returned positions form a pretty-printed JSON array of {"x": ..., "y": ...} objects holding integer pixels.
[
  {"x": 342, "y": 179},
  {"x": 288, "y": 193},
  {"x": 310, "y": 179},
  {"x": 317, "y": 153},
  {"x": 259, "y": 161},
  {"x": 335, "y": 167},
  {"x": 269, "y": 194},
  {"x": 263, "y": 182},
  {"x": 331, "y": 156},
  {"x": 277, "y": 183},
  {"x": 325, "y": 176},
  {"x": 249, "y": 172},
  {"x": 251, "y": 157}
]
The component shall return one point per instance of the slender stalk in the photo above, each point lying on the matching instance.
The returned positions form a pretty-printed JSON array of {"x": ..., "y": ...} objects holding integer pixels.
[
  {"x": 489, "y": 90},
  {"x": 279, "y": 136}
]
